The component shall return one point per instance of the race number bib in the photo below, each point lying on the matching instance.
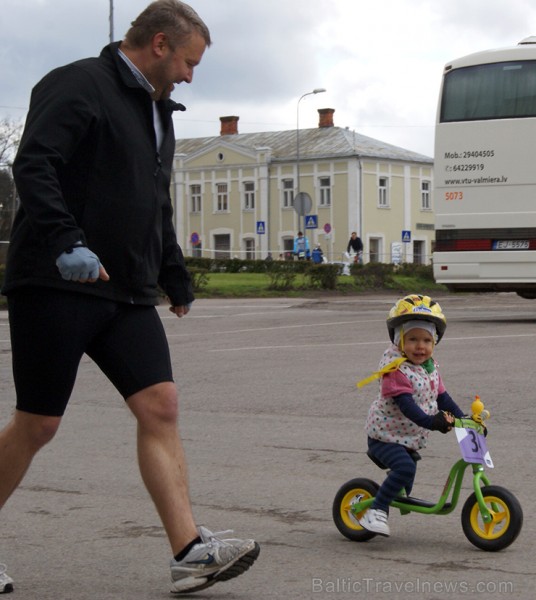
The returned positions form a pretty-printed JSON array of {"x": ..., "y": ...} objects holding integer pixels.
[{"x": 473, "y": 446}]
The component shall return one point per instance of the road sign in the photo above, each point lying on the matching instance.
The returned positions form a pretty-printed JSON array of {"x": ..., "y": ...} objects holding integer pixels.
[
  {"x": 311, "y": 222},
  {"x": 406, "y": 235},
  {"x": 302, "y": 203},
  {"x": 261, "y": 227},
  {"x": 327, "y": 228},
  {"x": 194, "y": 238},
  {"x": 396, "y": 253}
]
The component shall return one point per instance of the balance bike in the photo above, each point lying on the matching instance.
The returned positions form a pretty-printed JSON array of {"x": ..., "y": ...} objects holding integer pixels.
[{"x": 491, "y": 516}]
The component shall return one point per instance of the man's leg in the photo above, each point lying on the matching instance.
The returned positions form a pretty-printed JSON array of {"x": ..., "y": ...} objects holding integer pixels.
[
  {"x": 161, "y": 460},
  {"x": 134, "y": 354},
  {"x": 48, "y": 337},
  {"x": 20, "y": 441},
  {"x": 201, "y": 557}
]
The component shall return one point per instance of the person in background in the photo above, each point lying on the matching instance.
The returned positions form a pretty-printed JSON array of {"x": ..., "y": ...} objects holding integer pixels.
[
  {"x": 301, "y": 246},
  {"x": 355, "y": 248},
  {"x": 91, "y": 245},
  {"x": 317, "y": 256}
]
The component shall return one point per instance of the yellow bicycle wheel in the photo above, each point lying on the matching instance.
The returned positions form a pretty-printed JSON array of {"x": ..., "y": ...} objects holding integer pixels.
[
  {"x": 353, "y": 491},
  {"x": 506, "y": 522}
]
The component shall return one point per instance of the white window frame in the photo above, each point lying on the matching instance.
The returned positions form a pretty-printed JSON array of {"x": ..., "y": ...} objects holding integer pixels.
[
  {"x": 222, "y": 198},
  {"x": 383, "y": 192},
  {"x": 426, "y": 195},
  {"x": 249, "y": 248},
  {"x": 287, "y": 186},
  {"x": 195, "y": 198},
  {"x": 249, "y": 195},
  {"x": 324, "y": 185}
]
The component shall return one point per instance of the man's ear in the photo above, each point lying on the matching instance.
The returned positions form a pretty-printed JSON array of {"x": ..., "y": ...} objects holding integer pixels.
[{"x": 159, "y": 43}]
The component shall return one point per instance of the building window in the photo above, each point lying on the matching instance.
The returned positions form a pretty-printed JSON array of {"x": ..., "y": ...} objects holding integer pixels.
[
  {"x": 325, "y": 191},
  {"x": 383, "y": 196},
  {"x": 222, "y": 246},
  {"x": 195, "y": 198},
  {"x": 222, "y": 198},
  {"x": 418, "y": 252},
  {"x": 249, "y": 245},
  {"x": 426, "y": 203},
  {"x": 375, "y": 250},
  {"x": 288, "y": 193},
  {"x": 249, "y": 195}
]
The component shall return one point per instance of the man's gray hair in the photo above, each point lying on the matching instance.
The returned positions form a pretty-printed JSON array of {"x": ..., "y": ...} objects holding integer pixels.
[{"x": 176, "y": 19}]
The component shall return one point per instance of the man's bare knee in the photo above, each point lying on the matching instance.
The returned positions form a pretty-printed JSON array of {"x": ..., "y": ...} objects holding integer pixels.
[
  {"x": 35, "y": 430},
  {"x": 157, "y": 404}
]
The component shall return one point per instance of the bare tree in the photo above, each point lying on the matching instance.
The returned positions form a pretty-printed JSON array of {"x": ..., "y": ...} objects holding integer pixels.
[{"x": 10, "y": 132}]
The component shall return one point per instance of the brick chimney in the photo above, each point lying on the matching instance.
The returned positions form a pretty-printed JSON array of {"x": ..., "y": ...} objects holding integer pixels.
[
  {"x": 325, "y": 117},
  {"x": 229, "y": 125}
]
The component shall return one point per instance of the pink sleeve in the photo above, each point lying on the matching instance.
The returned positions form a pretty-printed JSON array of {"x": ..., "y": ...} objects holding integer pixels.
[
  {"x": 395, "y": 383},
  {"x": 441, "y": 386}
]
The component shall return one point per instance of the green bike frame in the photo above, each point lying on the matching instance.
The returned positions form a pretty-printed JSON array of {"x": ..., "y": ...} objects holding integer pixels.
[{"x": 407, "y": 504}]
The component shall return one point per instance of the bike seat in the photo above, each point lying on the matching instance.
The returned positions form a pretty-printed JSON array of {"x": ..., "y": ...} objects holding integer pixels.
[{"x": 413, "y": 453}]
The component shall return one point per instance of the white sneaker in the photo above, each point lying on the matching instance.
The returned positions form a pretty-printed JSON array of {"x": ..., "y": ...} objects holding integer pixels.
[
  {"x": 213, "y": 560},
  {"x": 6, "y": 583},
  {"x": 375, "y": 520}
]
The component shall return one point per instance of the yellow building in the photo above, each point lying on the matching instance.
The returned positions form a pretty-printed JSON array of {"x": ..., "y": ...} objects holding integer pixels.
[{"x": 234, "y": 194}]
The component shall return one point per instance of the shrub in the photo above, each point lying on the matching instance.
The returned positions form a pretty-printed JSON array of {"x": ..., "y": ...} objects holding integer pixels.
[
  {"x": 425, "y": 272},
  {"x": 282, "y": 275},
  {"x": 323, "y": 276},
  {"x": 199, "y": 278},
  {"x": 373, "y": 275}
]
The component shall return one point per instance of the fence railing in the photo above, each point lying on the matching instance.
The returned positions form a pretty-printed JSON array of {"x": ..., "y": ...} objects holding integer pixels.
[{"x": 332, "y": 257}]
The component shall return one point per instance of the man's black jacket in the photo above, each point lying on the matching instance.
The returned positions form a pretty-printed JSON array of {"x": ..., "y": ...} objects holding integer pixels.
[{"x": 88, "y": 169}]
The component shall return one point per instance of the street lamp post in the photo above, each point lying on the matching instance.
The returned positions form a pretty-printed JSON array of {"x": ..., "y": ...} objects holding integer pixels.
[
  {"x": 111, "y": 21},
  {"x": 304, "y": 208}
]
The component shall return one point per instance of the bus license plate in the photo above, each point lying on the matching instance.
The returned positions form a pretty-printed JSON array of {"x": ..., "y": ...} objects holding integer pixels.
[{"x": 511, "y": 245}]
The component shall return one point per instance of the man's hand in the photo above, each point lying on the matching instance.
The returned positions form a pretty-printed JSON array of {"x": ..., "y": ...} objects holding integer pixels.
[
  {"x": 80, "y": 264},
  {"x": 181, "y": 311}
]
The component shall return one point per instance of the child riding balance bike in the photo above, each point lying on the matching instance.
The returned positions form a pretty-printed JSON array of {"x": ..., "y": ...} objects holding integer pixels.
[{"x": 412, "y": 401}]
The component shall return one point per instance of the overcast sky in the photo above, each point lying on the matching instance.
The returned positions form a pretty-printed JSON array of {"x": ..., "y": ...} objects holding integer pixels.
[{"x": 380, "y": 61}]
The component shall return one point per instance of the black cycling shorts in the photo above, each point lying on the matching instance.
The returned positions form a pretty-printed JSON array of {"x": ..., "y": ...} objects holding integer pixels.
[{"x": 52, "y": 329}]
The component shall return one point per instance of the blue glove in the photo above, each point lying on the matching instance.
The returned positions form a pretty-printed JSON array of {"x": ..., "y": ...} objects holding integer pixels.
[{"x": 78, "y": 264}]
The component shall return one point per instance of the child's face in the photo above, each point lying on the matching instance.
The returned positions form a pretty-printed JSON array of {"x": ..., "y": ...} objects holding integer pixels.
[{"x": 418, "y": 345}]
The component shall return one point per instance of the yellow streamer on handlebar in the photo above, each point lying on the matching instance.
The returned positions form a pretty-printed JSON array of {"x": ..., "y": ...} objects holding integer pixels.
[{"x": 392, "y": 366}]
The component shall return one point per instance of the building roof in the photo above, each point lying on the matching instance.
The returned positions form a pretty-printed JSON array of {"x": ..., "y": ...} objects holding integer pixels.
[{"x": 315, "y": 143}]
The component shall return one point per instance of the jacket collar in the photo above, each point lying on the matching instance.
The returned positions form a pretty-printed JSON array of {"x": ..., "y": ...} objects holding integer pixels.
[{"x": 110, "y": 52}]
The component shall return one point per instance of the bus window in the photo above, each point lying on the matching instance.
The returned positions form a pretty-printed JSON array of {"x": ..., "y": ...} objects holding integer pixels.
[{"x": 492, "y": 91}]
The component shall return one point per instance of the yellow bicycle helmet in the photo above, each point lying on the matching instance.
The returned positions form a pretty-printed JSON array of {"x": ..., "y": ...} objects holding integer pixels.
[{"x": 416, "y": 307}]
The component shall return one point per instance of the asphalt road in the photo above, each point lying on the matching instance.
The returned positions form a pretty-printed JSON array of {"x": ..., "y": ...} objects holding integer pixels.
[{"x": 273, "y": 425}]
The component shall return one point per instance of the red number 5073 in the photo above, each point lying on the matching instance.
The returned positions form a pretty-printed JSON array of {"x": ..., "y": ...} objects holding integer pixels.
[{"x": 453, "y": 195}]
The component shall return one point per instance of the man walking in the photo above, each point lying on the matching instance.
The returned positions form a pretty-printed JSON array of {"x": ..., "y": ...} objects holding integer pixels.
[{"x": 91, "y": 246}]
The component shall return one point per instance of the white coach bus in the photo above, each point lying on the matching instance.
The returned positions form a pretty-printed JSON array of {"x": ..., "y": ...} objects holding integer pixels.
[{"x": 485, "y": 172}]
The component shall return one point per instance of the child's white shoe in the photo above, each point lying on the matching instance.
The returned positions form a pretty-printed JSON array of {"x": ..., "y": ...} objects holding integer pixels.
[
  {"x": 375, "y": 520},
  {"x": 6, "y": 583}
]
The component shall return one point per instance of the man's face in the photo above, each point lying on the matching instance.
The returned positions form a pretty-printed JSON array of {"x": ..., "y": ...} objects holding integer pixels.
[{"x": 177, "y": 66}]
